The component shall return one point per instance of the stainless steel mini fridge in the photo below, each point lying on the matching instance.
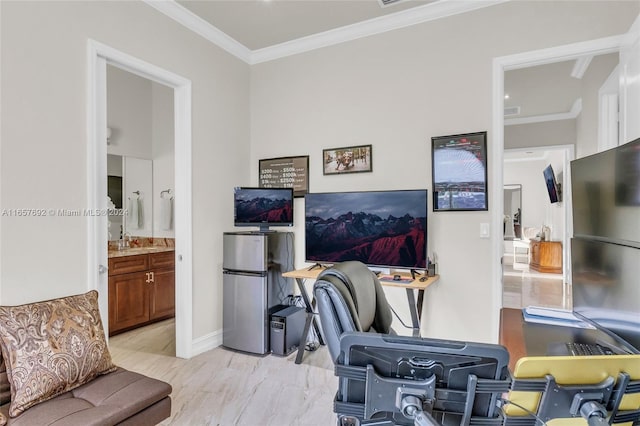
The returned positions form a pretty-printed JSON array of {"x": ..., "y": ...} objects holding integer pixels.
[{"x": 253, "y": 263}]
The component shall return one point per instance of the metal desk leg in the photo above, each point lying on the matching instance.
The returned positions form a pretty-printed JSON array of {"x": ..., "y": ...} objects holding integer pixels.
[
  {"x": 311, "y": 320},
  {"x": 309, "y": 307},
  {"x": 303, "y": 340},
  {"x": 413, "y": 309}
]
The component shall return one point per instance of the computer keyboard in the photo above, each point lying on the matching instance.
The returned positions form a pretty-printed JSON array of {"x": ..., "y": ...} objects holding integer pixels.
[{"x": 582, "y": 349}]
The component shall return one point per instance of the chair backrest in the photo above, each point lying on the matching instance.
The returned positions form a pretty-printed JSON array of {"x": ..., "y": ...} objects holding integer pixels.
[{"x": 350, "y": 298}]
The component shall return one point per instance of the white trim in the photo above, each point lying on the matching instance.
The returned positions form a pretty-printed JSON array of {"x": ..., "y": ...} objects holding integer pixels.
[
  {"x": 184, "y": 16},
  {"x": 576, "y": 109},
  {"x": 566, "y": 52},
  {"x": 207, "y": 342},
  {"x": 608, "y": 106},
  {"x": 405, "y": 18},
  {"x": 99, "y": 56},
  {"x": 402, "y": 19},
  {"x": 96, "y": 182},
  {"x": 500, "y": 65},
  {"x": 497, "y": 195},
  {"x": 581, "y": 66}
]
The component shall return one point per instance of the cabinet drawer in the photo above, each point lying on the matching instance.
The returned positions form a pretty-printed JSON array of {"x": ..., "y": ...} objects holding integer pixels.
[
  {"x": 127, "y": 264},
  {"x": 166, "y": 259}
]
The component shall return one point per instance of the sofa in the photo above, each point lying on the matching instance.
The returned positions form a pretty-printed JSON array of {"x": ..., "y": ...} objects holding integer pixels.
[{"x": 56, "y": 369}]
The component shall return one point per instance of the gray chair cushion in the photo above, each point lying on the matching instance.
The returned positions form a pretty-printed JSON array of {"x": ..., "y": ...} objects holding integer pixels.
[{"x": 350, "y": 298}]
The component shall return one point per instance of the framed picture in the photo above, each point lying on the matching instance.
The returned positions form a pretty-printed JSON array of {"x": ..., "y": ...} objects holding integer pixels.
[
  {"x": 351, "y": 159},
  {"x": 459, "y": 168},
  {"x": 285, "y": 172}
]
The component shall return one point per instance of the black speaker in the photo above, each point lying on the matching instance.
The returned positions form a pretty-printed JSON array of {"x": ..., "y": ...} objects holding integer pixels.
[{"x": 286, "y": 330}]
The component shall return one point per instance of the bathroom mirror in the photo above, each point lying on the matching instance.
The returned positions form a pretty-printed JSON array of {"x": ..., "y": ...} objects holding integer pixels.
[
  {"x": 512, "y": 211},
  {"x": 133, "y": 199},
  {"x": 140, "y": 155}
]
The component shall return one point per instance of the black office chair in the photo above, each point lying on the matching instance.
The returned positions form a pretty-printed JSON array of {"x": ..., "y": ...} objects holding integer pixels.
[
  {"x": 386, "y": 379},
  {"x": 350, "y": 298}
]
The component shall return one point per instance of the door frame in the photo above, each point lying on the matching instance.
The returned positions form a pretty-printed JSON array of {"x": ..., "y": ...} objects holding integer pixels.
[
  {"x": 99, "y": 55},
  {"x": 500, "y": 65}
]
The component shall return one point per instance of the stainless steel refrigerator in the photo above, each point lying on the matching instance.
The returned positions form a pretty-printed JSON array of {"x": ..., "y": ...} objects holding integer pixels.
[{"x": 253, "y": 285}]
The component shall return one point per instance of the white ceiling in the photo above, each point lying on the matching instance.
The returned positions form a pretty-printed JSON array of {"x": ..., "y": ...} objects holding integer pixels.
[{"x": 258, "y": 24}]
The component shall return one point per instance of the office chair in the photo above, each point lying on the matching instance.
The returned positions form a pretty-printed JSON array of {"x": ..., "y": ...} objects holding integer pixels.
[
  {"x": 386, "y": 379},
  {"x": 350, "y": 298}
]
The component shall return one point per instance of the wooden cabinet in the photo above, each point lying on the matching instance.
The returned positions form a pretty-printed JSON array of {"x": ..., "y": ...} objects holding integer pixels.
[
  {"x": 546, "y": 256},
  {"x": 141, "y": 290}
]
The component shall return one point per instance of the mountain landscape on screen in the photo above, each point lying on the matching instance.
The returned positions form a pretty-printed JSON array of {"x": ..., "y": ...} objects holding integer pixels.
[
  {"x": 260, "y": 209},
  {"x": 368, "y": 238}
]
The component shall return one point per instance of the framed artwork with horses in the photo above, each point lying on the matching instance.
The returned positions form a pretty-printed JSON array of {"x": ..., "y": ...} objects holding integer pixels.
[{"x": 351, "y": 159}]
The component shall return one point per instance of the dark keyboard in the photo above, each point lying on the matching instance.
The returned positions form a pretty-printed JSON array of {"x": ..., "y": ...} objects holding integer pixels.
[{"x": 582, "y": 349}]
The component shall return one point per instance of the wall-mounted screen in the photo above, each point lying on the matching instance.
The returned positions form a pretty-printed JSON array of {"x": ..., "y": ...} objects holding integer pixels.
[
  {"x": 378, "y": 228},
  {"x": 552, "y": 185},
  {"x": 263, "y": 207}
]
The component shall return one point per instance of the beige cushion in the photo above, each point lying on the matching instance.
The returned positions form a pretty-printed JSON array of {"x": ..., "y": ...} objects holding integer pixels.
[{"x": 52, "y": 347}]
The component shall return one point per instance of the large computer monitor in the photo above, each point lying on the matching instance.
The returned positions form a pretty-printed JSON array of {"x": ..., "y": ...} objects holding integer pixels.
[{"x": 605, "y": 249}]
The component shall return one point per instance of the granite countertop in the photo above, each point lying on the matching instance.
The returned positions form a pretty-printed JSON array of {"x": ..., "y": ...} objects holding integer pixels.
[{"x": 132, "y": 251}]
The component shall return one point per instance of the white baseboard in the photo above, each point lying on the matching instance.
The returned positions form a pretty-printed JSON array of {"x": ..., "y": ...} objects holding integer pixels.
[{"x": 206, "y": 342}]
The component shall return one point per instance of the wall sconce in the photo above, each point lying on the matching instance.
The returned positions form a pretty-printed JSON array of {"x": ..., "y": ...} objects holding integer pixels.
[{"x": 108, "y": 135}]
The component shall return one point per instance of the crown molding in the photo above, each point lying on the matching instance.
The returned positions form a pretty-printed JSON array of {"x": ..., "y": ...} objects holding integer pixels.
[
  {"x": 575, "y": 111},
  {"x": 428, "y": 12},
  {"x": 580, "y": 66},
  {"x": 417, "y": 15},
  {"x": 190, "y": 20}
]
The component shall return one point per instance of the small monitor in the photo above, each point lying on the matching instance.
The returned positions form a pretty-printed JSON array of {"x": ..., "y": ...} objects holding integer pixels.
[{"x": 263, "y": 207}]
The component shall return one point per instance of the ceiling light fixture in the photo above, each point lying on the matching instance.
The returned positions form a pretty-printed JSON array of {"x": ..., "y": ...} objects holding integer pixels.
[
  {"x": 385, "y": 3},
  {"x": 506, "y": 96}
]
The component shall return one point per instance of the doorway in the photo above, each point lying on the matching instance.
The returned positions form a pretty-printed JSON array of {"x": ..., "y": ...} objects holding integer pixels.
[
  {"x": 526, "y": 208},
  {"x": 100, "y": 56},
  {"x": 500, "y": 66}
]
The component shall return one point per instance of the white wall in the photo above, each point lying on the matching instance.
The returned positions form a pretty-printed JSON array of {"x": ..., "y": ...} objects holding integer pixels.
[
  {"x": 44, "y": 114},
  {"x": 162, "y": 154},
  {"x": 534, "y": 192},
  {"x": 128, "y": 114},
  {"x": 548, "y": 133},
  {"x": 587, "y": 122},
  {"x": 395, "y": 91}
]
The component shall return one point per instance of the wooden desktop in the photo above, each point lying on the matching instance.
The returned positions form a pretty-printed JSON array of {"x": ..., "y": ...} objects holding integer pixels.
[{"x": 522, "y": 338}]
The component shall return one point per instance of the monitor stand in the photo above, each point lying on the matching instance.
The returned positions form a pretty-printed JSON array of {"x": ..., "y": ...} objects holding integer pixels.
[
  {"x": 314, "y": 266},
  {"x": 415, "y": 273}
]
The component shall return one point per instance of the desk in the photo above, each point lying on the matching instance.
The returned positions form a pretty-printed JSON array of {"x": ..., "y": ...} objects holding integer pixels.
[
  {"x": 523, "y": 338},
  {"x": 301, "y": 275}
]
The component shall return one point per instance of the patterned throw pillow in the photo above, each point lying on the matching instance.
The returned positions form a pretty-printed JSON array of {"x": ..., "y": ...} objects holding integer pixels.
[{"x": 52, "y": 347}]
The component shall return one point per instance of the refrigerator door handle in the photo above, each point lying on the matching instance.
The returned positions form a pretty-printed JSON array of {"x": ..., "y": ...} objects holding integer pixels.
[{"x": 246, "y": 273}]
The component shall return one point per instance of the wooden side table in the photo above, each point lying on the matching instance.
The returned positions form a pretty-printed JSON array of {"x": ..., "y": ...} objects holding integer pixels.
[{"x": 546, "y": 256}]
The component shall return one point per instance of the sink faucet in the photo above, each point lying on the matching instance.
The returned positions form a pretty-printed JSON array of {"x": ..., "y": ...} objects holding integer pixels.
[{"x": 125, "y": 241}]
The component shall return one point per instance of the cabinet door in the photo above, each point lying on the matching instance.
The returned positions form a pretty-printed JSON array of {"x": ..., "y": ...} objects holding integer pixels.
[
  {"x": 162, "y": 260},
  {"x": 128, "y": 301},
  {"x": 162, "y": 294},
  {"x": 128, "y": 264}
]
